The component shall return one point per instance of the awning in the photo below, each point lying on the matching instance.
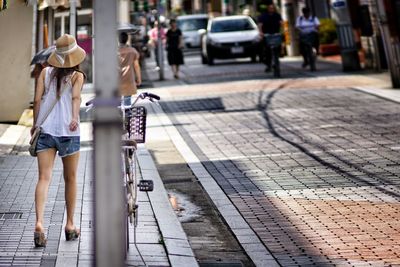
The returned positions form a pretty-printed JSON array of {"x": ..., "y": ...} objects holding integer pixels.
[{"x": 42, "y": 4}]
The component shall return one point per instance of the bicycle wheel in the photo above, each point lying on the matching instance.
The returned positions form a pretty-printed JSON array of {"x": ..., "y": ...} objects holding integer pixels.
[
  {"x": 125, "y": 171},
  {"x": 131, "y": 185},
  {"x": 277, "y": 68},
  {"x": 129, "y": 161}
]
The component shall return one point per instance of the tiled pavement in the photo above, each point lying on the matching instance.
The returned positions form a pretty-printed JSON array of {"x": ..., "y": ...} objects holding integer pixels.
[
  {"x": 160, "y": 239},
  {"x": 18, "y": 176},
  {"x": 315, "y": 173}
]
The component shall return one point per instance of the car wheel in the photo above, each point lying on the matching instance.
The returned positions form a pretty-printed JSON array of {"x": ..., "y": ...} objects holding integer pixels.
[{"x": 210, "y": 61}]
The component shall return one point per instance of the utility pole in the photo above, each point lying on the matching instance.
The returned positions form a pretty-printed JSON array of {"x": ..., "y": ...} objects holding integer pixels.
[
  {"x": 390, "y": 45},
  {"x": 109, "y": 205},
  {"x": 289, "y": 17},
  {"x": 160, "y": 45},
  {"x": 224, "y": 7},
  {"x": 348, "y": 47},
  {"x": 72, "y": 17}
]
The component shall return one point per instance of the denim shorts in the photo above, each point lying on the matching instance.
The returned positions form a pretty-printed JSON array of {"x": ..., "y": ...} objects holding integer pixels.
[{"x": 65, "y": 145}]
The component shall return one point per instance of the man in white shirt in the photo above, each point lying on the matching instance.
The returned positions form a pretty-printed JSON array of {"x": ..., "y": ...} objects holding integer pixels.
[{"x": 307, "y": 25}]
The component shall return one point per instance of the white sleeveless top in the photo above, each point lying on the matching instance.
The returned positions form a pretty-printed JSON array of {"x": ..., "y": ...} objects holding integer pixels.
[{"x": 57, "y": 123}]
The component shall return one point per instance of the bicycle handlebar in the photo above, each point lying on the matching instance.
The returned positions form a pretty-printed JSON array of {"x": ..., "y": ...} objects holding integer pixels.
[
  {"x": 144, "y": 95},
  {"x": 156, "y": 97}
]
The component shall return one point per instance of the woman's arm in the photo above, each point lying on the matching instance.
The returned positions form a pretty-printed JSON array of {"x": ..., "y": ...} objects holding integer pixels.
[
  {"x": 138, "y": 74},
  {"x": 38, "y": 97},
  {"x": 77, "y": 83}
]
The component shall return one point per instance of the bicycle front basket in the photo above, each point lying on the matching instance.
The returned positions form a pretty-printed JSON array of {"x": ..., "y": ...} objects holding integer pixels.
[
  {"x": 137, "y": 123},
  {"x": 273, "y": 39}
]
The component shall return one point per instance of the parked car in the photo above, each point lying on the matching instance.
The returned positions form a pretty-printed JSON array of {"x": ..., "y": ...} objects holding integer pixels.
[
  {"x": 190, "y": 25},
  {"x": 230, "y": 37}
]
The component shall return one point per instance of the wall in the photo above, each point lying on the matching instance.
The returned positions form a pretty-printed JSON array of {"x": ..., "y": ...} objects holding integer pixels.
[{"x": 15, "y": 55}]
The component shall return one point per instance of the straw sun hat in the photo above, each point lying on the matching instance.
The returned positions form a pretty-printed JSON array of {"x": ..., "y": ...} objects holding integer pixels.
[{"x": 67, "y": 53}]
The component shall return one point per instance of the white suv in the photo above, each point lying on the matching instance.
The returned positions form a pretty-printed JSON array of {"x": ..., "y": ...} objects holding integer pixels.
[
  {"x": 230, "y": 37},
  {"x": 190, "y": 25}
]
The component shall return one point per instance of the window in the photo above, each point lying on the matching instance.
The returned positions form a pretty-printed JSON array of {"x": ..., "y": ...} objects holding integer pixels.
[
  {"x": 192, "y": 24},
  {"x": 232, "y": 25}
]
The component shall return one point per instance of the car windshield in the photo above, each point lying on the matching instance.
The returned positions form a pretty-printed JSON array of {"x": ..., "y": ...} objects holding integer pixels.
[
  {"x": 187, "y": 25},
  {"x": 232, "y": 25}
]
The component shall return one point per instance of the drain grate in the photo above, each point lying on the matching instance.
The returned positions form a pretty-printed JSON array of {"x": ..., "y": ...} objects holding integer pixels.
[{"x": 10, "y": 215}]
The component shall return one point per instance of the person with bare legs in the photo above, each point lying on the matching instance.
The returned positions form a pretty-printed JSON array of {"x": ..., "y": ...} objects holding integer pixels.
[
  {"x": 56, "y": 112},
  {"x": 174, "y": 47}
]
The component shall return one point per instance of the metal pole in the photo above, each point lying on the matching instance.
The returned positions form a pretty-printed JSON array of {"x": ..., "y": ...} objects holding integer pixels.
[
  {"x": 347, "y": 43},
  {"x": 40, "y": 35},
  {"x": 72, "y": 17},
  {"x": 34, "y": 28},
  {"x": 109, "y": 207},
  {"x": 391, "y": 56},
  {"x": 289, "y": 16},
  {"x": 223, "y": 7},
  {"x": 160, "y": 46}
]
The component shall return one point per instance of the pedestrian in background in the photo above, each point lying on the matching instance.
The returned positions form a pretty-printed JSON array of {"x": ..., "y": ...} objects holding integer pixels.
[
  {"x": 174, "y": 47},
  {"x": 153, "y": 40},
  {"x": 307, "y": 25},
  {"x": 131, "y": 76},
  {"x": 269, "y": 22},
  {"x": 56, "y": 111}
]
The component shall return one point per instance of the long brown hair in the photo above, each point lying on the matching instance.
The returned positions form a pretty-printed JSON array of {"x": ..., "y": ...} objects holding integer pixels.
[{"x": 60, "y": 73}]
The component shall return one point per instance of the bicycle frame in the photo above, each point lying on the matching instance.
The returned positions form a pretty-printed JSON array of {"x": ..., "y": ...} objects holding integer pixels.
[
  {"x": 129, "y": 162},
  {"x": 274, "y": 41}
]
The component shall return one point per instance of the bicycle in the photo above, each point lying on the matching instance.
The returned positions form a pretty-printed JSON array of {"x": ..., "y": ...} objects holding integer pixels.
[
  {"x": 274, "y": 42},
  {"x": 310, "y": 54},
  {"x": 133, "y": 132}
]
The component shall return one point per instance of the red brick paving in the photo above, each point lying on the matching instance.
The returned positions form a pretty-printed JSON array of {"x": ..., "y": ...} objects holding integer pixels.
[{"x": 357, "y": 232}]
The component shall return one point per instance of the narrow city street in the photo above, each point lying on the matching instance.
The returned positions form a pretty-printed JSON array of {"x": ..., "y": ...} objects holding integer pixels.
[
  {"x": 310, "y": 161},
  {"x": 191, "y": 133}
]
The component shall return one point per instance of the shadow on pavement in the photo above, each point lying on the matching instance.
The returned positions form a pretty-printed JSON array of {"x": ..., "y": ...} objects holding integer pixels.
[{"x": 312, "y": 202}]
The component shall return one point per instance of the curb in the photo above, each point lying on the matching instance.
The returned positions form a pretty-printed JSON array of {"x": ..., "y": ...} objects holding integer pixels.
[
  {"x": 246, "y": 237},
  {"x": 387, "y": 94},
  {"x": 175, "y": 239}
]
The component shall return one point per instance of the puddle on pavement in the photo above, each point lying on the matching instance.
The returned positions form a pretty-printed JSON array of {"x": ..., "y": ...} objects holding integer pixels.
[{"x": 183, "y": 207}]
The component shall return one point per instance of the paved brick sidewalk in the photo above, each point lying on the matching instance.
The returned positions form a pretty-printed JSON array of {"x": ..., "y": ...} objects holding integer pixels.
[
  {"x": 314, "y": 172},
  {"x": 18, "y": 177},
  {"x": 160, "y": 238}
]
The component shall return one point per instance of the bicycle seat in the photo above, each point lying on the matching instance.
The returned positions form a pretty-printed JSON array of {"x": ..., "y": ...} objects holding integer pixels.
[{"x": 129, "y": 142}]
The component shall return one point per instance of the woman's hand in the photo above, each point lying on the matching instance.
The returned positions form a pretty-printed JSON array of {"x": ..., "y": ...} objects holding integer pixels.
[
  {"x": 73, "y": 125},
  {"x": 138, "y": 81}
]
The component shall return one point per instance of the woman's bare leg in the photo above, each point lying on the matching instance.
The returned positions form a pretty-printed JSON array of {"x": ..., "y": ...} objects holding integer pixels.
[
  {"x": 45, "y": 163},
  {"x": 70, "y": 164}
]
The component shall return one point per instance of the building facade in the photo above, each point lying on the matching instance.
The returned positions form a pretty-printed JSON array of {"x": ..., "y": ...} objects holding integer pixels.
[{"x": 15, "y": 56}]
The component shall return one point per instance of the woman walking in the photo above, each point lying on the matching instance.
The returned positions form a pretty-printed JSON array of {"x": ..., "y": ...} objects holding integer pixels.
[
  {"x": 174, "y": 47},
  {"x": 56, "y": 111}
]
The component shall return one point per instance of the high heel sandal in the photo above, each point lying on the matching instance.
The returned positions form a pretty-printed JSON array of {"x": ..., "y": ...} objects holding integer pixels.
[
  {"x": 39, "y": 239},
  {"x": 72, "y": 234}
]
